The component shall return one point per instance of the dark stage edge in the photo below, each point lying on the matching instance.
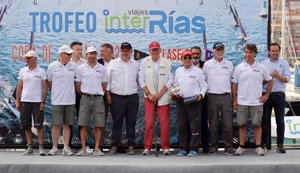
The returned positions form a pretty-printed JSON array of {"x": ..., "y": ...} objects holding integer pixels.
[{"x": 14, "y": 162}]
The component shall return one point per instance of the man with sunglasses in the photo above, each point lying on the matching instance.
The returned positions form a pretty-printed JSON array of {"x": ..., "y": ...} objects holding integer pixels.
[
  {"x": 61, "y": 78},
  {"x": 155, "y": 78},
  {"x": 191, "y": 82},
  {"x": 218, "y": 72},
  {"x": 122, "y": 95},
  {"x": 30, "y": 100}
]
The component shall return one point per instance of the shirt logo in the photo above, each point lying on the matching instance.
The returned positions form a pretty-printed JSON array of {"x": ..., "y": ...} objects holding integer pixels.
[
  {"x": 225, "y": 67},
  {"x": 192, "y": 76},
  {"x": 255, "y": 70},
  {"x": 37, "y": 76}
]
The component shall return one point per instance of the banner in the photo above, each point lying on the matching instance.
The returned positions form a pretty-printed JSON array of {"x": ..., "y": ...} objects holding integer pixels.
[
  {"x": 176, "y": 24},
  {"x": 292, "y": 127}
]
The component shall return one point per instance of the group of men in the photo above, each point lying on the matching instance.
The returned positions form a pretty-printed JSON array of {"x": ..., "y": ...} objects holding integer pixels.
[{"x": 206, "y": 94}]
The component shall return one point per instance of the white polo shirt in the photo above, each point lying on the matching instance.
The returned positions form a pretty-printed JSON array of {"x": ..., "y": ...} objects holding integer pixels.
[
  {"x": 32, "y": 84},
  {"x": 190, "y": 81},
  {"x": 123, "y": 76},
  {"x": 249, "y": 80},
  {"x": 218, "y": 76},
  {"x": 79, "y": 62},
  {"x": 62, "y": 78},
  {"x": 91, "y": 79}
]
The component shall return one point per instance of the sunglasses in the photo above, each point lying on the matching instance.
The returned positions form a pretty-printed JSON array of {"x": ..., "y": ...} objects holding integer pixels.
[
  {"x": 28, "y": 57},
  {"x": 218, "y": 49},
  {"x": 187, "y": 57}
]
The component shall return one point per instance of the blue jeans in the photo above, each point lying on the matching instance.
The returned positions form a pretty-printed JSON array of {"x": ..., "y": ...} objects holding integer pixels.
[{"x": 277, "y": 101}]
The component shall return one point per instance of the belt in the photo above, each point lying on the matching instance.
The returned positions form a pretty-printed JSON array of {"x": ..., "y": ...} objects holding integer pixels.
[
  {"x": 91, "y": 95},
  {"x": 277, "y": 93},
  {"x": 218, "y": 94}
]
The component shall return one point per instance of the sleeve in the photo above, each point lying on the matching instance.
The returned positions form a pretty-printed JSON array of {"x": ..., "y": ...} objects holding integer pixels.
[
  {"x": 44, "y": 75},
  {"x": 104, "y": 75},
  {"x": 141, "y": 74},
  {"x": 49, "y": 73},
  {"x": 286, "y": 71},
  {"x": 78, "y": 74},
  {"x": 170, "y": 79},
  {"x": 235, "y": 75},
  {"x": 109, "y": 68},
  {"x": 20, "y": 76},
  {"x": 202, "y": 82},
  {"x": 266, "y": 74}
]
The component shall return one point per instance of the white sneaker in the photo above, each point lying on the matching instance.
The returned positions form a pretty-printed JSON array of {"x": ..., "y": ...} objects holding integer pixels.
[
  {"x": 42, "y": 151},
  {"x": 82, "y": 152},
  {"x": 53, "y": 151},
  {"x": 89, "y": 150},
  {"x": 98, "y": 152},
  {"x": 259, "y": 151},
  {"x": 67, "y": 151},
  {"x": 28, "y": 152},
  {"x": 240, "y": 151}
]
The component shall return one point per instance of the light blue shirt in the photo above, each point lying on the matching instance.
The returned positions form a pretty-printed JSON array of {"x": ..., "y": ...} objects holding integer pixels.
[{"x": 283, "y": 67}]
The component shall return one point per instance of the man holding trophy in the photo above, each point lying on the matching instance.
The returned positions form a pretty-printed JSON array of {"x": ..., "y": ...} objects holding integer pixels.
[{"x": 188, "y": 90}]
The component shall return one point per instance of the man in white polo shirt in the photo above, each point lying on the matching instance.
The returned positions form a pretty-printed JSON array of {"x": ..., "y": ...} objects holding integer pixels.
[
  {"x": 247, "y": 84},
  {"x": 30, "y": 100},
  {"x": 61, "y": 78},
  {"x": 191, "y": 82},
  {"x": 91, "y": 81},
  {"x": 122, "y": 91},
  {"x": 218, "y": 72}
]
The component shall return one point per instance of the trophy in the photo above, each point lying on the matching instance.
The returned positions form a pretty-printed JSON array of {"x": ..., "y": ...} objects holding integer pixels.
[{"x": 175, "y": 92}]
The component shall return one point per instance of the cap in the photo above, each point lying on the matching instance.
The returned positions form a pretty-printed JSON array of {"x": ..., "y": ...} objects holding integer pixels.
[
  {"x": 218, "y": 45},
  {"x": 65, "y": 49},
  {"x": 90, "y": 49},
  {"x": 186, "y": 53},
  {"x": 31, "y": 53},
  {"x": 154, "y": 45},
  {"x": 126, "y": 45}
]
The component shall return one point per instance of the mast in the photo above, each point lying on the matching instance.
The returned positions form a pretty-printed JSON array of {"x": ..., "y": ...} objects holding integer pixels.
[{"x": 283, "y": 31}]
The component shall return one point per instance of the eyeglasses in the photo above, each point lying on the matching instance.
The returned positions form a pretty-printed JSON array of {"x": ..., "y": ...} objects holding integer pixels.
[
  {"x": 187, "y": 57},
  {"x": 221, "y": 48},
  {"x": 69, "y": 54}
]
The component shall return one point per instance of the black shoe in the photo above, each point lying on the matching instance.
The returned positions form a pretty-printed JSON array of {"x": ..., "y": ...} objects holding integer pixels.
[
  {"x": 280, "y": 149},
  {"x": 206, "y": 149},
  {"x": 213, "y": 150},
  {"x": 229, "y": 151}
]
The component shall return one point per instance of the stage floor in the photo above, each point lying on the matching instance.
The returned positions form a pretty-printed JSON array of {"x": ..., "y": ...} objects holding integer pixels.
[{"x": 14, "y": 162}]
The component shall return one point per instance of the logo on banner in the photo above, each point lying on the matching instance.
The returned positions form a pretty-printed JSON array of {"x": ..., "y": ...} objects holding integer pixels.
[{"x": 151, "y": 21}]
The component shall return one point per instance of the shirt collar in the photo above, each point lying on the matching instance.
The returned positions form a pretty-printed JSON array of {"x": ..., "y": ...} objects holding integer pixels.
[
  {"x": 248, "y": 65},
  {"x": 215, "y": 61},
  {"x": 35, "y": 69},
  {"x": 189, "y": 69}
]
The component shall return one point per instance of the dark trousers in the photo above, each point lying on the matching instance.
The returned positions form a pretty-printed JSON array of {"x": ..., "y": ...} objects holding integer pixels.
[
  {"x": 77, "y": 104},
  {"x": 220, "y": 104},
  {"x": 204, "y": 125},
  {"x": 189, "y": 124},
  {"x": 124, "y": 107},
  {"x": 277, "y": 101}
]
